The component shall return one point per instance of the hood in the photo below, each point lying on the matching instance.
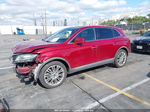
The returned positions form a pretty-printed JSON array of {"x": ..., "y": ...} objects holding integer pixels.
[{"x": 29, "y": 46}]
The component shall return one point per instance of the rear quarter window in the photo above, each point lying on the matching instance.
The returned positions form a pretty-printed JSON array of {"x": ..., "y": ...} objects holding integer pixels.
[{"x": 116, "y": 33}]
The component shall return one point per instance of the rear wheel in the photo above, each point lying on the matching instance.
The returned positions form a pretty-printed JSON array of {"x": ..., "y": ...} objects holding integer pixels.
[
  {"x": 121, "y": 58},
  {"x": 53, "y": 74}
]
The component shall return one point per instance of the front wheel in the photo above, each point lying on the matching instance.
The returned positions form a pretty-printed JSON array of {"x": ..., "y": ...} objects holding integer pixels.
[
  {"x": 52, "y": 74},
  {"x": 121, "y": 58}
]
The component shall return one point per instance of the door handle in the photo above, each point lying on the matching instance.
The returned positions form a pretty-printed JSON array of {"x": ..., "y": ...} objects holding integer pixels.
[
  {"x": 115, "y": 43},
  {"x": 94, "y": 47}
]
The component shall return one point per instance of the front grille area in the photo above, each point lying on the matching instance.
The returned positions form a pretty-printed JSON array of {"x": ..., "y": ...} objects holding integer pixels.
[{"x": 145, "y": 46}]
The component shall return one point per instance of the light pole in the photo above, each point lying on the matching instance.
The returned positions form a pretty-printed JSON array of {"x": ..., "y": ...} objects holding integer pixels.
[{"x": 45, "y": 23}]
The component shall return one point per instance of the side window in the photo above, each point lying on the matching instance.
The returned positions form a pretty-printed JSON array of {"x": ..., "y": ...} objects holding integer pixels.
[
  {"x": 116, "y": 33},
  {"x": 88, "y": 34},
  {"x": 103, "y": 33}
]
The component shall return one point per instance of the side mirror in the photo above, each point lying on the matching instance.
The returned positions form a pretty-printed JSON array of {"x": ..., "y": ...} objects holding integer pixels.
[{"x": 79, "y": 41}]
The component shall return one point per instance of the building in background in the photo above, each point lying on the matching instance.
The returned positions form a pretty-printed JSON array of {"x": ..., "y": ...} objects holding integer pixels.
[{"x": 29, "y": 30}]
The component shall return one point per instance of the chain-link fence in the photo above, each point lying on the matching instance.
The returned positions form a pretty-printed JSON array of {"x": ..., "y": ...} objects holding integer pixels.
[{"x": 134, "y": 26}]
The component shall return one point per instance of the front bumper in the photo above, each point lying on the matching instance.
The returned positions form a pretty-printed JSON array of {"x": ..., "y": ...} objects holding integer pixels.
[
  {"x": 25, "y": 69},
  {"x": 26, "y": 73},
  {"x": 144, "y": 48}
]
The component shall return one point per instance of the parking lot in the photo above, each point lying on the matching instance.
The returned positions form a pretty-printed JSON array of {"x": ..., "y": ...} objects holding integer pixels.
[{"x": 103, "y": 87}]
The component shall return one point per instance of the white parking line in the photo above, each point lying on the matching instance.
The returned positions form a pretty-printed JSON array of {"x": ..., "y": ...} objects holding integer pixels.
[
  {"x": 90, "y": 106},
  {"x": 6, "y": 68}
]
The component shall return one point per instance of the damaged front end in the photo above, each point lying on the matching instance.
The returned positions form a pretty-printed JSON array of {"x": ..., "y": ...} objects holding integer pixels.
[{"x": 25, "y": 64}]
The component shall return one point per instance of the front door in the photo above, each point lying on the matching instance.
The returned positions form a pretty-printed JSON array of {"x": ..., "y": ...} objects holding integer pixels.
[{"x": 83, "y": 54}]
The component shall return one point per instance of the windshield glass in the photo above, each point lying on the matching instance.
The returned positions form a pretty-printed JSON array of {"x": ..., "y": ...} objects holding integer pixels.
[
  {"x": 61, "y": 36},
  {"x": 147, "y": 34}
]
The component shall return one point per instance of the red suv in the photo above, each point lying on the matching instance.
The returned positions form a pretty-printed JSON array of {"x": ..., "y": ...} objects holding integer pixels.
[{"x": 70, "y": 50}]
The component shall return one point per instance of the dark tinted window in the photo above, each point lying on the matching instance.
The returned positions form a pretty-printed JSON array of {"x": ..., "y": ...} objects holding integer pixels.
[
  {"x": 88, "y": 34},
  {"x": 116, "y": 33},
  {"x": 103, "y": 33}
]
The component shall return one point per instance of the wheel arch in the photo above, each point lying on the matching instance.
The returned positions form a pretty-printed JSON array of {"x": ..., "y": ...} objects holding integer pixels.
[
  {"x": 124, "y": 48},
  {"x": 67, "y": 65},
  {"x": 37, "y": 70}
]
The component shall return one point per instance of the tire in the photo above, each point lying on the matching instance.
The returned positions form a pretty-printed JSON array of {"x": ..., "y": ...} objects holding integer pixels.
[
  {"x": 120, "y": 61},
  {"x": 52, "y": 74}
]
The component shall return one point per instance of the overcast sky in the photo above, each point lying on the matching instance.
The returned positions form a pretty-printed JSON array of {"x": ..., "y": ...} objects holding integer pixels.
[{"x": 22, "y": 12}]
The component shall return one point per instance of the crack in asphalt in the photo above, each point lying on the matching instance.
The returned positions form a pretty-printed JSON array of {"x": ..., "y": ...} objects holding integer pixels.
[{"x": 103, "y": 107}]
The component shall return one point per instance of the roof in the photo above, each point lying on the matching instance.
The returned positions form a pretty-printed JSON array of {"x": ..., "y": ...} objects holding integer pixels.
[{"x": 95, "y": 26}]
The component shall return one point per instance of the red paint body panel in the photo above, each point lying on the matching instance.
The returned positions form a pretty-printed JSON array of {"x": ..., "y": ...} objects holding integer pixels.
[
  {"x": 29, "y": 46},
  {"x": 76, "y": 55}
]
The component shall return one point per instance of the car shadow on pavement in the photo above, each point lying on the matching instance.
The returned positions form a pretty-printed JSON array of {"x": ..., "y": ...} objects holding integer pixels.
[
  {"x": 142, "y": 53},
  {"x": 90, "y": 69}
]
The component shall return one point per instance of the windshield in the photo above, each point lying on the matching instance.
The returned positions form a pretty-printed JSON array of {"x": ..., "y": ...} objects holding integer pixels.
[
  {"x": 61, "y": 36},
  {"x": 147, "y": 34}
]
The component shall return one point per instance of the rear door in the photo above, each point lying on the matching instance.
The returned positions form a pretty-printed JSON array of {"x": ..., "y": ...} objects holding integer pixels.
[{"x": 106, "y": 43}]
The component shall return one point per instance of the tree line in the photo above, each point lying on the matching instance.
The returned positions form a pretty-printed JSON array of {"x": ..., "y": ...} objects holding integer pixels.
[{"x": 129, "y": 20}]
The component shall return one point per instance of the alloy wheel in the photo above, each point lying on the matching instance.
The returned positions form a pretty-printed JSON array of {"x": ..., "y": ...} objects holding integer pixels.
[
  {"x": 54, "y": 75},
  {"x": 121, "y": 58}
]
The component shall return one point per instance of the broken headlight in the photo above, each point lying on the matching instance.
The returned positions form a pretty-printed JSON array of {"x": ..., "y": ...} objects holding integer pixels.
[{"x": 25, "y": 58}]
